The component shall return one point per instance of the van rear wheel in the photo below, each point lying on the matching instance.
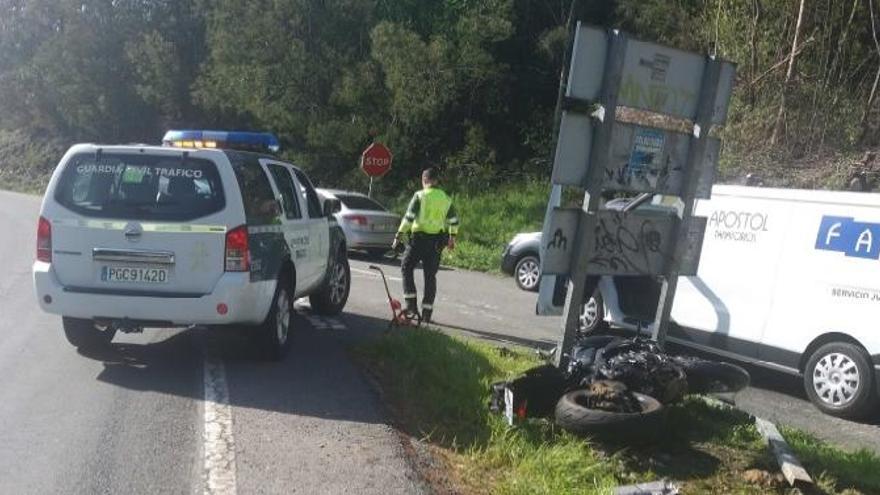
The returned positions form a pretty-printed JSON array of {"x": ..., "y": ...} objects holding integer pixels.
[
  {"x": 839, "y": 380},
  {"x": 85, "y": 334}
]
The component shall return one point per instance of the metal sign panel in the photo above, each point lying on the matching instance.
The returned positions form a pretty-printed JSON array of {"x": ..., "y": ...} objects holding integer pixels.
[
  {"x": 632, "y": 243},
  {"x": 646, "y": 159},
  {"x": 557, "y": 240},
  {"x": 587, "y": 63},
  {"x": 655, "y": 78},
  {"x": 573, "y": 147}
]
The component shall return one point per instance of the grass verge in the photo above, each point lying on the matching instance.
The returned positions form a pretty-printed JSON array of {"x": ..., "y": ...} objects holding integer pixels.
[{"x": 438, "y": 386}]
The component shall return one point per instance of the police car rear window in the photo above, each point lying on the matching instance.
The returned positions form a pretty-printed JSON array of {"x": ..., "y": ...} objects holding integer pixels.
[{"x": 140, "y": 187}]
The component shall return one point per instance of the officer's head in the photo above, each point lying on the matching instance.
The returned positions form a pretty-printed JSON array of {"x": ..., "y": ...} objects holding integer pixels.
[{"x": 430, "y": 177}]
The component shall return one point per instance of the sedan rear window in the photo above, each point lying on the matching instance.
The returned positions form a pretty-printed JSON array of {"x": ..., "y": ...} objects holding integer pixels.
[
  {"x": 140, "y": 187},
  {"x": 355, "y": 202}
]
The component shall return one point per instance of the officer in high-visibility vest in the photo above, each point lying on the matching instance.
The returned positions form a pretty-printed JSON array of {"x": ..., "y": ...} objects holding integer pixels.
[{"x": 431, "y": 224}]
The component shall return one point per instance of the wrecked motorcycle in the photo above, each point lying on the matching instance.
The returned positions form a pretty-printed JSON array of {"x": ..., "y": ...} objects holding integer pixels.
[{"x": 612, "y": 384}]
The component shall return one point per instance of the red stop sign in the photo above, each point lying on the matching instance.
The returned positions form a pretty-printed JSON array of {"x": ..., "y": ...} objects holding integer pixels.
[{"x": 376, "y": 160}]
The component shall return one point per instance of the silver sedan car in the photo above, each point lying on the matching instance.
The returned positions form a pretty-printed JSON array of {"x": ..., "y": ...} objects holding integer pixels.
[{"x": 368, "y": 226}]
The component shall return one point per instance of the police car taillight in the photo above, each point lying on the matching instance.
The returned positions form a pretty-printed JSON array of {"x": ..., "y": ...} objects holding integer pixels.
[
  {"x": 44, "y": 240},
  {"x": 237, "y": 252}
]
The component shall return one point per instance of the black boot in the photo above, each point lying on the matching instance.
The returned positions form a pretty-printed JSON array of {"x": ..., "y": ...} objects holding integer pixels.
[
  {"x": 426, "y": 315},
  {"x": 411, "y": 307}
]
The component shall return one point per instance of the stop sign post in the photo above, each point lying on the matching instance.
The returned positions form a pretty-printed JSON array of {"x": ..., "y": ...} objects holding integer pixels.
[{"x": 375, "y": 162}]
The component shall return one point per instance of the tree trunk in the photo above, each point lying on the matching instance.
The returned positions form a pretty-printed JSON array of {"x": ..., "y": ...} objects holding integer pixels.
[
  {"x": 780, "y": 116},
  {"x": 873, "y": 94},
  {"x": 753, "y": 50}
]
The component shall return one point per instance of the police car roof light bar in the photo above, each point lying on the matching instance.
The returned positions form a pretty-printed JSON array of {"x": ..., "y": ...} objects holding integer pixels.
[{"x": 241, "y": 140}]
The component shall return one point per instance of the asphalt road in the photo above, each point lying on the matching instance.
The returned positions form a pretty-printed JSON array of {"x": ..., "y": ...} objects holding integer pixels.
[
  {"x": 136, "y": 419},
  {"x": 190, "y": 411}
]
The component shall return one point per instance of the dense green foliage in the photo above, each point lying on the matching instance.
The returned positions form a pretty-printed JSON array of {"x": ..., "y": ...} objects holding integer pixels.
[{"x": 468, "y": 84}]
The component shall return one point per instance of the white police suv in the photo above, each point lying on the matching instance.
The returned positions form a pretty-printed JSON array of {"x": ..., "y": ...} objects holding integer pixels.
[{"x": 207, "y": 229}]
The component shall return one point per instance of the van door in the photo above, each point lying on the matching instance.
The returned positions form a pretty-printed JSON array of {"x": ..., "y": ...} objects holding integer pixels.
[
  {"x": 319, "y": 229},
  {"x": 294, "y": 225},
  {"x": 829, "y": 278},
  {"x": 727, "y": 304},
  {"x": 140, "y": 223}
]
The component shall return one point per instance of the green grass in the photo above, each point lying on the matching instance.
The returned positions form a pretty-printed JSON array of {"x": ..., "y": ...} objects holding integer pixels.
[
  {"x": 490, "y": 218},
  {"x": 27, "y": 161},
  {"x": 438, "y": 386}
]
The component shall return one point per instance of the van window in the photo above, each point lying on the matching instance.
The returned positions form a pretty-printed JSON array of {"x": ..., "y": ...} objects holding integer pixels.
[
  {"x": 260, "y": 207},
  {"x": 315, "y": 210},
  {"x": 288, "y": 191},
  {"x": 140, "y": 187}
]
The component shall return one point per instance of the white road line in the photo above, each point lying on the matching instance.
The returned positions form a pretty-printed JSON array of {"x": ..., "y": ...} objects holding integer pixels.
[
  {"x": 373, "y": 274},
  {"x": 219, "y": 444}
]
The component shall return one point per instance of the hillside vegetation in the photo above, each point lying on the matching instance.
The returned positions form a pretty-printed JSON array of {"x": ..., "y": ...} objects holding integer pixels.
[{"x": 468, "y": 85}]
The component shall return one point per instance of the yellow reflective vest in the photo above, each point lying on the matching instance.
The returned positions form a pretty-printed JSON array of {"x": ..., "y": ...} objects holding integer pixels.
[{"x": 430, "y": 211}]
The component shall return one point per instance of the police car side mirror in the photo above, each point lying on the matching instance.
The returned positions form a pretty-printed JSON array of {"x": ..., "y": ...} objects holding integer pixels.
[{"x": 331, "y": 206}]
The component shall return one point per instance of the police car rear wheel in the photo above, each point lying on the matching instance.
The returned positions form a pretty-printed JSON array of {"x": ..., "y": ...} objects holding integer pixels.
[
  {"x": 275, "y": 330},
  {"x": 331, "y": 298},
  {"x": 85, "y": 334},
  {"x": 839, "y": 380}
]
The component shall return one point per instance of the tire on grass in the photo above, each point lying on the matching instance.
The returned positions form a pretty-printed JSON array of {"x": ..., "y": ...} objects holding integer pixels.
[{"x": 572, "y": 415}]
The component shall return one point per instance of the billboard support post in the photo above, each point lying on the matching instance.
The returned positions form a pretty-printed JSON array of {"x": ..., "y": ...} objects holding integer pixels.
[
  {"x": 698, "y": 145},
  {"x": 600, "y": 153}
]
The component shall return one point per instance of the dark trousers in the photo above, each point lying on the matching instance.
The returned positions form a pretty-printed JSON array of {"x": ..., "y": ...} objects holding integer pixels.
[{"x": 424, "y": 248}]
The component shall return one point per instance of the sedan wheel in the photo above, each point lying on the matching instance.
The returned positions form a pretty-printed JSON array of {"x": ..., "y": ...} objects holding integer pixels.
[{"x": 528, "y": 273}]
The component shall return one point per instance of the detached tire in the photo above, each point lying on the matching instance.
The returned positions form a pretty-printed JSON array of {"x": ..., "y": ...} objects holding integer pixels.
[
  {"x": 274, "y": 332},
  {"x": 85, "y": 335},
  {"x": 333, "y": 294},
  {"x": 573, "y": 416},
  {"x": 839, "y": 380}
]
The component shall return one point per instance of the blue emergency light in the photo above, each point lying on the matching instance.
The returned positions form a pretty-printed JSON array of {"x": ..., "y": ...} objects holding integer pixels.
[{"x": 238, "y": 140}]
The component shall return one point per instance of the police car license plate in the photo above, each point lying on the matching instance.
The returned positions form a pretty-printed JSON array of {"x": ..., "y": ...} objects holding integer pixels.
[{"x": 129, "y": 274}]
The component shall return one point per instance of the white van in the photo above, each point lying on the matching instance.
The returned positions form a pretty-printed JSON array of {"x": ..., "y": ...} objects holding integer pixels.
[{"x": 788, "y": 279}]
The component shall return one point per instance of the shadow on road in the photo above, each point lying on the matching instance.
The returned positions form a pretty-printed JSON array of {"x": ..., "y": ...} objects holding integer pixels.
[{"x": 315, "y": 379}]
